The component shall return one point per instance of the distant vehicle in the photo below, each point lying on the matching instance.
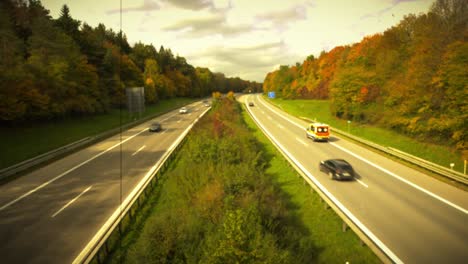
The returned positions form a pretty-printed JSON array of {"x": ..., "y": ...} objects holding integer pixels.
[
  {"x": 183, "y": 110},
  {"x": 155, "y": 127},
  {"x": 318, "y": 132},
  {"x": 251, "y": 104},
  {"x": 205, "y": 103},
  {"x": 337, "y": 169}
]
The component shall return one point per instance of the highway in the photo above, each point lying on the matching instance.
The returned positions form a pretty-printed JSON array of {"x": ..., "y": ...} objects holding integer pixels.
[
  {"x": 50, "y": 214},
  {"x": 416, "y": 218}
]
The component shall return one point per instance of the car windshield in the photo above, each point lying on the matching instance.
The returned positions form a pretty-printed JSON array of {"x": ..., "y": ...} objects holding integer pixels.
[{"x": 345, "y": 167}]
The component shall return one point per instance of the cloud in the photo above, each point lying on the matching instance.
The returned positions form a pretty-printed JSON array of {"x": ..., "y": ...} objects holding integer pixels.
[
  {"x": 194, "y": 5},
  {"x": 280, "y": 19},
  {"x": 214, "y": 25},
  {"x": 147, "y": 5},
  {"x": 385, "y": 10},
  {"x": 248, "y": 62}
]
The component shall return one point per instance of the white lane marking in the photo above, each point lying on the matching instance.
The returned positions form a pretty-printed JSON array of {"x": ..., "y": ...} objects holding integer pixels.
[
  {"x": 138, "y": 150},
  {"x": 280, "y": 126},
  {"x": 362, "y": 183},
  {"x": 68, "y": 171},
  {"x": 348, "y": 213},
  {"x": 180, "y": 120},
  {"x": 433, "y": 195},
  {"x": 301, "y": 141},
  {"x": 70, "y": 202}
]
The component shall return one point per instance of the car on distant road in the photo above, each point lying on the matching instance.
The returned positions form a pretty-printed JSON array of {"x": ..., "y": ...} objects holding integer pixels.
[
  {"x": 251, "y": 104},
  {"x": 183, "y": 110},
  {"x": 337, "y": 169},
  {"x": 206, "y": 103},
  {"x": 155, "y": 127}
]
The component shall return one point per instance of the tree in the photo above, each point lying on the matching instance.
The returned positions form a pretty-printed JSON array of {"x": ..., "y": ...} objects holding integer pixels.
[
  {"x": 151, "y": 75},
  {"x": 69, "y": 25},
  {"x": 141, "y": 52}
]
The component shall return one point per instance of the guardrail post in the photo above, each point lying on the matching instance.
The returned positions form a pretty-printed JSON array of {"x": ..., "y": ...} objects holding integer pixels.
[
  {"x": 344, "y": 227},
  {"x": 130, "y": 213},
  {"x": 98, "y": 258},
  {"x": 325, "y": 204}
]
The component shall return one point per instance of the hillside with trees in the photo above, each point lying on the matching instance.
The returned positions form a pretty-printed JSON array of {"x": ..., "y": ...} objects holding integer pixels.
[
  {"x": 412, "y": 78},
  {"x": 60, "y": 68}
]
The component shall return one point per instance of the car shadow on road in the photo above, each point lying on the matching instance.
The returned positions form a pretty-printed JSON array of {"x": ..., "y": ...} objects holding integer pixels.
[{"x": 357, "y": 176}]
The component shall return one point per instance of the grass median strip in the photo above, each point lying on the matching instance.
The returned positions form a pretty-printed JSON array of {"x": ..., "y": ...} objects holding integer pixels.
[
  {"x": 229, "y": 197},
  {"x": 28, "y": 140}
]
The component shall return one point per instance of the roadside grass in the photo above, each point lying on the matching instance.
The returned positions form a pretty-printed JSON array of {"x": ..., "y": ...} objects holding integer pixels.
[
  {"x": 319, "y": 110},
  {"x": 324, "y": 226},
  {"x": 32, "y": 139}
]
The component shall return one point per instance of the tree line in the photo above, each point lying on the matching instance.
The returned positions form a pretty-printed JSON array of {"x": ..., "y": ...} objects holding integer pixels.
[
  {"x": 55, "y": 68},
  {"x": 412, "y": 78},
  {"x": 217, "y": 205}
]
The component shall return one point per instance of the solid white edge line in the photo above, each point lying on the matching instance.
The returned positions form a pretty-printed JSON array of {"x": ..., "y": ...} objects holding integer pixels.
[
  {"x": 402, "y": 179},
  {"x": 117, "y": 213},
  {"x": 72, "y": 169},
  {"x": 369, "y": 233},
  {"x": 134, "y": 153},
  {"x": 72, "y": 201},
  {"x": 68, "y": 171},
  {"x": 433, "y": 195}
]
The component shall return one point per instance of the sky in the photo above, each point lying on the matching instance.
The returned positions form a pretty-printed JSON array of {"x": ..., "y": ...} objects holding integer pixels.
[{"x": 244, "y": 38}]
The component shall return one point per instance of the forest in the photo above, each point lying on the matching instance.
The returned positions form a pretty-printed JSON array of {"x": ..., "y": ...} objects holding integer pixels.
[
  {"x": 412, "y": 78},
  {"x": 61, "y": 68}
]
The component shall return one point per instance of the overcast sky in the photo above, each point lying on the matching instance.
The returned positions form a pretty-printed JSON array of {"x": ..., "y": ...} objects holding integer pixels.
[{"x": 245, "y": 38}]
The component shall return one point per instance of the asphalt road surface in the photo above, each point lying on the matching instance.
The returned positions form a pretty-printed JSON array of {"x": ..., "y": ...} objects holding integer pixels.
[
  {"x": 50, "y": 214},
  {"x": 419, "y": 219}
]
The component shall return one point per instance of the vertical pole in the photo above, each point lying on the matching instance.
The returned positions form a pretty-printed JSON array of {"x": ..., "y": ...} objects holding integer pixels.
[{"x": 464, "y": 168}]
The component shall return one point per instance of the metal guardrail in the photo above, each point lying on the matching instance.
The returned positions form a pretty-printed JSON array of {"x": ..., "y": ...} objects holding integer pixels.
[
  {"x": 446, "y": 172},
  {"x": 61, "y": 151},
  {"x": 100, "y": 240},
  {"x": 349, "y": 220},
  {"x": 24, "y": 165}
]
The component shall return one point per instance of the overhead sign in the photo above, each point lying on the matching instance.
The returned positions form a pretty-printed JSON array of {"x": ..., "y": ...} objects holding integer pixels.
[{"x": 271, "y": 94}]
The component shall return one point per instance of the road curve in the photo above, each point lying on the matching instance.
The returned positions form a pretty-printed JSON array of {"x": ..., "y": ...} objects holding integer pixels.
[
  {"x": 419, "y": 219},
  {"x": 50, "y": 214}
]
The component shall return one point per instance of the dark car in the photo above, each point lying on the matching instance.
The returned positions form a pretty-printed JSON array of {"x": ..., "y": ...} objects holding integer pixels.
[
  {"x": 251, "y": 104},
  {"x": 155, "y": 127},
  {"x": 337, "y": 169}
]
